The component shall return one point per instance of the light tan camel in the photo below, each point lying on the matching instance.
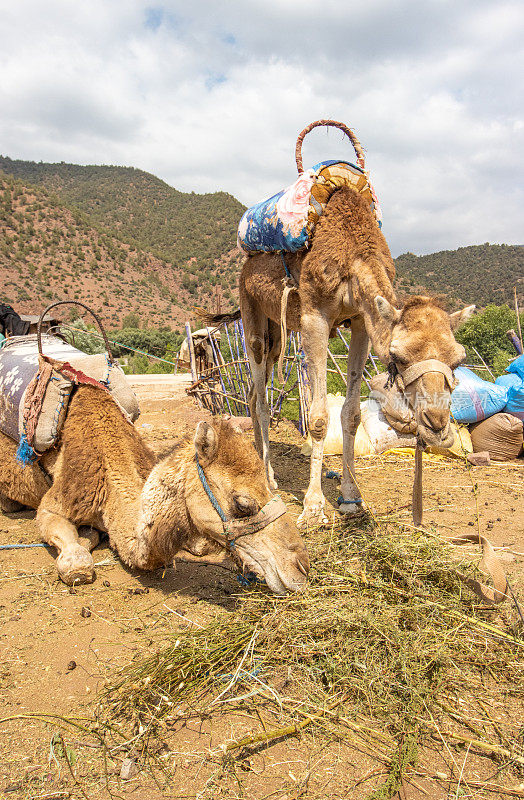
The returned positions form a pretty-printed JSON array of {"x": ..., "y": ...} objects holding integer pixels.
[
  {"x": 346, "y": 275},
  {"x": 104, "y": 476}
]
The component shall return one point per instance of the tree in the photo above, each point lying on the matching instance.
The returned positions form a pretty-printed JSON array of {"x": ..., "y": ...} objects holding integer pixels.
[
  {"x": 131, "y": 321},
  {"x": 486, "y": 332}
]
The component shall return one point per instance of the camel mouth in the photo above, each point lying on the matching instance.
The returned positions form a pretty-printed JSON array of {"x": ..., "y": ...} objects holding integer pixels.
[
  {"x": 281, "y": 575},
  {"x": 427, "y": 437}
]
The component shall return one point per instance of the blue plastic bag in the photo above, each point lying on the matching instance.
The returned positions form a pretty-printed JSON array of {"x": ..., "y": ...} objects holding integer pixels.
[
  {"x": 475, "y": 399},
  {"x": 508, "y": 379},
  {"x": 517, "y": 367},
  {"x": 515, "y": 386}
]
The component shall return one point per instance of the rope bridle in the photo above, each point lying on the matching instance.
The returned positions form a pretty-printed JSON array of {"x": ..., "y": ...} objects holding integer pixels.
[
  {"x": 235, "y": 528},
  {"x": 405, "y": 378}
]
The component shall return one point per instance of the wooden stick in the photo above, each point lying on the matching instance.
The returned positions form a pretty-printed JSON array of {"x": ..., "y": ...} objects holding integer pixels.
[
  {"x": 518, "y": 319},
  {"x": 485, "y": 365},
  {"x": 330, "y": 354},
  {"x": 278, "y": 733},
  {"x": 417, "y": 488}
]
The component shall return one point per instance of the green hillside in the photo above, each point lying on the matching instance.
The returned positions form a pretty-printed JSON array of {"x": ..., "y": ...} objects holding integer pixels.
[
  {"x": 142, "y": 210},
  {"x": 480, "y": 274}
]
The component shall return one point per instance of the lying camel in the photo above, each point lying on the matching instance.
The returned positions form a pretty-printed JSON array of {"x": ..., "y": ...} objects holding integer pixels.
[
  {"x": 103, "y": 475},
  {"x": 346, "y": 277}
]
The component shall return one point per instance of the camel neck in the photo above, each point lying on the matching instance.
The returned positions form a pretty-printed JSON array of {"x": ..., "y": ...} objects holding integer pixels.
[{"x": 377, "y": 328}]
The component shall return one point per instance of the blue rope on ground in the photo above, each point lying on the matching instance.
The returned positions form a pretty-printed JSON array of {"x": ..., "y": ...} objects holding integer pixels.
[
  {"x": 332, "y": 474},
  {"x": 21, "y": 546},
  {"x": 248, "y": 580}
]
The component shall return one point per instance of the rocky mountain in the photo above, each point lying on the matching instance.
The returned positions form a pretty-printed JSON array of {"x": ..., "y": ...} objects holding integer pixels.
[
  {"x": 480, "y": 274},
  {"x": 125, "y": 241},
  {"x": 50, "y": 252}
]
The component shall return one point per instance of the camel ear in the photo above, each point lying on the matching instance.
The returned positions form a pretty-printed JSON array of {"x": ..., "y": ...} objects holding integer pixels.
[
  {"x": 460, "y": 317},
  {"x": 386, "y": 310},
  {"x": 206, "y": 443}
]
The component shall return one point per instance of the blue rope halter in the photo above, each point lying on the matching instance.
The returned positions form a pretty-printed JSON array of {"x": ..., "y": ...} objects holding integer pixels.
[
  {"x": 209, "y": 491},
  {"x": 273, "y": 509}
]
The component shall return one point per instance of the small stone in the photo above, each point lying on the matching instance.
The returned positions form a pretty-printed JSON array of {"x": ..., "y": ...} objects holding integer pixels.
[
  {"x": 441, "y": 776},
  {"x": 471, "y": 523},
  {"x": 85, "y": 612},
  {"x": 479, "y": 459},
  {"x": 129, "y": 769},
  {"x": 106, "y": 584},
  {"x": 141, "y": 590},
  {"x": 71, "y": 666}
]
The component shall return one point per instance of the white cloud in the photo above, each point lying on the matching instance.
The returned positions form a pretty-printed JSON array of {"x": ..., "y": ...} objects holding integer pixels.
[{"x": 211, "y": 96}]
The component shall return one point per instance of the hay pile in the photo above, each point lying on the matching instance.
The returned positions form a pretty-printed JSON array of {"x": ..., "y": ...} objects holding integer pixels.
[{"x": 385, "y": 631}]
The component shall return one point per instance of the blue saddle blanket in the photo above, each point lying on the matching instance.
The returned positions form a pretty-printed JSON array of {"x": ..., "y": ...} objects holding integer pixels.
[{"x": 287, "y": 220}]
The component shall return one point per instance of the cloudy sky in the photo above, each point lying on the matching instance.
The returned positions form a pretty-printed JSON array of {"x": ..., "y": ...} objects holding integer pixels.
[{"x": 211, "y": 95}]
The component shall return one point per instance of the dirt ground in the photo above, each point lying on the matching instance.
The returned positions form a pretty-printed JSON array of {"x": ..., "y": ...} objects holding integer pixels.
[{"x": 59, "y": 645}]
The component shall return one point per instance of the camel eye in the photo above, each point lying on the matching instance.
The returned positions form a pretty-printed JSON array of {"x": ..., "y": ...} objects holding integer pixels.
[{"x": 244, "y": 506}]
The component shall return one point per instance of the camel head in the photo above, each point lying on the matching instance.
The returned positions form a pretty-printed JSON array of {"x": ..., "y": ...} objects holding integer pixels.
[
  {"x": 236, "y": 477},
  {"x": 423, "y": 353}
]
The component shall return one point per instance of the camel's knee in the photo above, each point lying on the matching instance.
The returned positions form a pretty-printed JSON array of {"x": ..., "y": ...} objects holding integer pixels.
[
  {"x": 258, "y": 347},
  {"x": 350, "y": 419},
  {"x": 318, "y": 424}
]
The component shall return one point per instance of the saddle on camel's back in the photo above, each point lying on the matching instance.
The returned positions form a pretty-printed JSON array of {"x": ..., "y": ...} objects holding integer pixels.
[
  {"x": 286, "y": 221},
  {"x": 36, "y": 387}
]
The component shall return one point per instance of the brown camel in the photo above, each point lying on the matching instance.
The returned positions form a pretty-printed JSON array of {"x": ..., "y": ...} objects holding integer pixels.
[
  {"x": 104, "y": 476},
  {"x": 347, "y": 274}
]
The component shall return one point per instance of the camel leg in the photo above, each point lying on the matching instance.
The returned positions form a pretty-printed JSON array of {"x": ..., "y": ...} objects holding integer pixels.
[
  {"x": 350, "y": 501},
  {"x": 74, "y": 563},
  {"x": 315, "y": 336},
  {"x": 9, "y": 506},
  {"x": 257, "y": 344},
  {"x": 88, "y": 537}
]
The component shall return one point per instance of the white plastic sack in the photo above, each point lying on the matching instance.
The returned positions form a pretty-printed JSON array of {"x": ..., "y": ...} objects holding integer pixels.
[{"x": 381, "y": 435}]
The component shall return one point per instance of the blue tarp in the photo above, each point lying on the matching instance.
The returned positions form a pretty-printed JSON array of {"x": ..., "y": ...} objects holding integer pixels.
[{"x": 475, "y": 399}]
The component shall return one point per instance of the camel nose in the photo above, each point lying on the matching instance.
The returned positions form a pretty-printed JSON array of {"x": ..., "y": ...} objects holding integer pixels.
[{"x": 435, "y": 418}]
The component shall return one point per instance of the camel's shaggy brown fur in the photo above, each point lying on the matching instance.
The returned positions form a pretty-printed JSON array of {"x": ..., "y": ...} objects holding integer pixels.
[
  {"x": 346, "y": 275},
  {"x": 104, "y": 476}
]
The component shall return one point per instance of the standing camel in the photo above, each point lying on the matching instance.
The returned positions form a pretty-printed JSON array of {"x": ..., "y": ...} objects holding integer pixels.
[{"x": 347, "y": 274}]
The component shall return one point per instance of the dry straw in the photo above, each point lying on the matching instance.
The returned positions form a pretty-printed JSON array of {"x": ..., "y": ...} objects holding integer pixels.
[{"x": 386, "y": 630}]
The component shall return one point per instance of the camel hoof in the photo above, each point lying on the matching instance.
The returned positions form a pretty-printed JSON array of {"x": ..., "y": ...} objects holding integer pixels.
[
  {"x": 312, "y": 516},
  {"x": 75, "y": 565}
]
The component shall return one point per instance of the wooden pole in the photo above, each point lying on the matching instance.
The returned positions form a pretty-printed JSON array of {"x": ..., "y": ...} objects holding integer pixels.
[
  {"x": 518, "y": 319},
  {"x": 417, "y": 488},
  {"x": 337, "y": 368}
]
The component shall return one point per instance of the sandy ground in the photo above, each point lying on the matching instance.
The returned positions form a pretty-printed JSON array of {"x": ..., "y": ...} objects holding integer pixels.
[{"x": 58, "y": 646}]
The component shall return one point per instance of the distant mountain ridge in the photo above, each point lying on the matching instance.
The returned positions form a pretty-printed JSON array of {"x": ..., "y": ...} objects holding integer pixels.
[
  {"x": 480, "y": 274},
  {"x": 49, "y": 252},
  {"x": 190, "y": 231},
  {"x": 134, "y": 243}
]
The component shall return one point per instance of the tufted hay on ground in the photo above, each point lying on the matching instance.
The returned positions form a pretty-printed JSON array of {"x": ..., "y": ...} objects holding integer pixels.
[{"x": 387, "y": 634}]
